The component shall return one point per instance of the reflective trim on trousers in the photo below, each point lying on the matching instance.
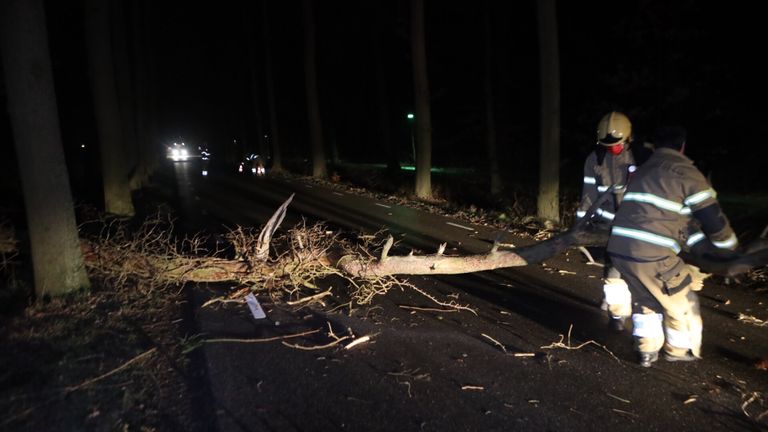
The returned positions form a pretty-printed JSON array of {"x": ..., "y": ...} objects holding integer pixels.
[
  {"x": 616, "y": 292},
  {"x": 590, "y": 180},
  {"x": 679, "y": 338},
  {"x": 647, "y": 325},
  {"x": 695, "y": 335}
]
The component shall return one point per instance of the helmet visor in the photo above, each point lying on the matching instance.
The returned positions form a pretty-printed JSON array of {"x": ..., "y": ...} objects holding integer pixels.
[{"x": 610, "y": 140}]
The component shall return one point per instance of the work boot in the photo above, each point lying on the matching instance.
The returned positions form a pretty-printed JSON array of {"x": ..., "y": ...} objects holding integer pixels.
[
  {"x": 647, "y": 358},
  {"x": 687, "y": 357}
]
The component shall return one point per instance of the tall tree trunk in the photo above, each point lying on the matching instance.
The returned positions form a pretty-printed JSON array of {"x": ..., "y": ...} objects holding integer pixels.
[
  {"x": 124, "y": 66},
  {"x": 117, "y": 194},
  {"x": 319, "y": 169},
  {"x": 490, "y": 132},
  {"x": 147, "y": 160},
  {"x": 382, "y": 98},
  {"x": 153, "y": 152},
  {"x": 252, "y": 39},
  {"x": 56, "y": 255},
  {"x": 277, "y": 160},
  {"x": 421, "y": 91},
  {"x": 549, "y": 156}
]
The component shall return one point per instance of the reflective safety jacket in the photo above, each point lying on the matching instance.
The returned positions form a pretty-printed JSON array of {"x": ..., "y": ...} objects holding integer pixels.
[
  {"x": 657, "y": 208},
  {"x": 601, "y": 171}
]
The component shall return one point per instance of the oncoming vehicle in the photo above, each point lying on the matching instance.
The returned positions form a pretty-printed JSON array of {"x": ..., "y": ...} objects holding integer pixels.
[
  {"x": 254, "y": 164},
  {"x": 178, "y": 152}
]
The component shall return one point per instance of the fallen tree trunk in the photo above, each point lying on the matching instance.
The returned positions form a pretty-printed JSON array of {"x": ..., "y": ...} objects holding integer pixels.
[
  {"x": 441, "y": 264},
  {"x": 131, "y": 259},
  {"x": 729, "y": 265},
  {"x": 582, "y": 234}
]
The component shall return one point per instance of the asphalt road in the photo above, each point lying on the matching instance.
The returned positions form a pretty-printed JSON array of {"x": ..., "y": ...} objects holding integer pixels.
[{"x": 537, "y": 356}]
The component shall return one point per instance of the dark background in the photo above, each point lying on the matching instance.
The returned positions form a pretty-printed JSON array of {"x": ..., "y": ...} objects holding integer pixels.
[{"x": 693, "y": 63}]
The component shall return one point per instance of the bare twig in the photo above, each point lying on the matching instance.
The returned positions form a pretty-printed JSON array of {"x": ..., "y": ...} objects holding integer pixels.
[
  {"x": 358, "y": 341},
  {"x": 318, "y": 347},
  {"x": 752, "y": 320},
  {"x": 472, "y": 387},
  {"x": 568, "y": 346},
  {"x": 499, "y": 344},
  {"x": 631, "y": 414},
  {"x": 618, "y": 398},
  {"x": 427, "y": 309},
  {"x": 114, "y": 371},
  {"x": 261, "y": 340},
  {"x": 310, "y": 298}
]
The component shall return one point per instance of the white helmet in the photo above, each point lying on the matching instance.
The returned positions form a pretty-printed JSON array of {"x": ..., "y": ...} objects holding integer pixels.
[{"x": 614, "y": 128}]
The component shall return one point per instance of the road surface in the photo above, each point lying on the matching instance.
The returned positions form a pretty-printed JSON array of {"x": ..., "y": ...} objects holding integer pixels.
[{"x": 537, "y": 356}]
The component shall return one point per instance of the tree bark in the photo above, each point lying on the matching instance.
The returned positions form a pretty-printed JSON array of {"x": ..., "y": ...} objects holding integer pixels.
[
  {"x": 423, "y": 187},
  {"x": 125, "y": 84},
  {"x": 256, "y": 97},
  {"x": 490, "y": 120},
  {"x": 441, "y": 264},
  {"x": 277, "y": 160},
  {"x": 117, "y": 194},
  {"x": 56, "y": 256},
  {"x": 549, "y": 156},
  {"x": 153, "y": 153},
  {"x": 146, "y": 159},
  {"x": 319, "y": 169},
  {"x": 382, "y": 98}
]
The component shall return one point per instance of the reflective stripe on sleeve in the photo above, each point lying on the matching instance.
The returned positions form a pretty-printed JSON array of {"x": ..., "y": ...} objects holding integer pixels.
[
  {"x": 699, "y": 197},
  {"x": 605, "y": 214},
  {"x": 580, "y": 213},
  {"x": 590, "y": 180},
  {"x": 728, "y": 243},
  {"x": 695, "y": 238},
  {"x": 647, "y": 237},
  {"x": 658, "y": 201}
]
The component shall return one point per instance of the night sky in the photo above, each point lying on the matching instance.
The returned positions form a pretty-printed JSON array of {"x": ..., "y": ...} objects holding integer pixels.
[{"x": 683, "y": 62}]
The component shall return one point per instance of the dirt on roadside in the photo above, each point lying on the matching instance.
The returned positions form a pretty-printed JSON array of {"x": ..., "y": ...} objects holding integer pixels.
[{"x": 110, "y": 359}]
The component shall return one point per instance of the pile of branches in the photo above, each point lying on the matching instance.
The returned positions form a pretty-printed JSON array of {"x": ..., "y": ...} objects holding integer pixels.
[
  {"x": 297, "y": 266},
  {"x": 304, "y": 255}
]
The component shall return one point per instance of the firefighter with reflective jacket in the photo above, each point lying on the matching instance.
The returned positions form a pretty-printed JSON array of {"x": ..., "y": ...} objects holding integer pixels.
[
  {"x": 611, "y": 164},
  {"x": 647, "y": 235}
]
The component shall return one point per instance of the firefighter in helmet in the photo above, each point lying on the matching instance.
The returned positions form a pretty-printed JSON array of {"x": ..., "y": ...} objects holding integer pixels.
[
  {"x": 607, "y": 170},
  {"x": 660, "y": 202}
]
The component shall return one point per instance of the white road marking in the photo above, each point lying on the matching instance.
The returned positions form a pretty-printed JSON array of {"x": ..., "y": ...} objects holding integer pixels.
[
  {"x": 460, "y": 226},
  {"x": 382, "y": 205}
]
